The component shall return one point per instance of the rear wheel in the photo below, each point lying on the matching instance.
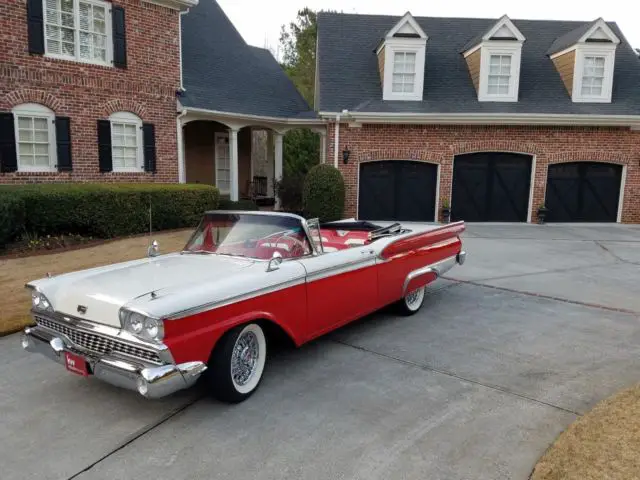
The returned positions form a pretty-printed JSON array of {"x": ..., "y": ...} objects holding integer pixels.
[
  {"x": 237, "y": 363},
  {"x": 412, "y": 302}
]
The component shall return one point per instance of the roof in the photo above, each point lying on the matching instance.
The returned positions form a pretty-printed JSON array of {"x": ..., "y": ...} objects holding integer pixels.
[
  {"x": 570, "y": 38},
  {"x": 222, "y": 73},
  {"x": 349, "y": 78}
]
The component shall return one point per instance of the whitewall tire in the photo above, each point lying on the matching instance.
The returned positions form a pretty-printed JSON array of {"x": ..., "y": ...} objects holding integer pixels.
[
  {"x": 412, "y": 302},
  {"x": 237, "y": 363}
]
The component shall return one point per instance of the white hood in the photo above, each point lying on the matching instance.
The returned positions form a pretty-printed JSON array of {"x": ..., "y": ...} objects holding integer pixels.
[{"x": 103, "y": 291}]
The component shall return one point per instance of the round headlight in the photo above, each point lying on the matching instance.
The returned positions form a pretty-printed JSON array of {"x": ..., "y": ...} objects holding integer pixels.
[
  {"x": 35, "y": 300},
  {"x": 40, "y": 302},
  {"x": 151, "y": 328},
  {"x": 136, "y": 322}
]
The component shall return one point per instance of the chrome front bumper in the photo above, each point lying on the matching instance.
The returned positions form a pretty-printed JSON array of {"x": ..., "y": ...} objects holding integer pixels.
[{"x": 151, "y": 381}]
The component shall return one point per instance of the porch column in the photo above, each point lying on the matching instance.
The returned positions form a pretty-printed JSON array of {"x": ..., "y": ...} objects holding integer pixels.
[
  {"x": 277, "y": 170},
  {"x": 182, "y": 175},
  {"x": 323, "y": 147},
  {"x": 234, "y": 188}
]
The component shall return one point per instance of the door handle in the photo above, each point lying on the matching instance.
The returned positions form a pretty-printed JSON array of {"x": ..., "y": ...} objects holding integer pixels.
[{"x": 367, "y": 252}]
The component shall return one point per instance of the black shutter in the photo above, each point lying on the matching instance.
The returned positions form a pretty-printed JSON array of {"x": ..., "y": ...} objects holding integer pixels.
[
  {"x": 149, "y": 142},
  {"x": 119, "y": 38},
  {"x": 8, "y": 157},
  {"x": 104, "y": 146},
  {"x": 35, "y": 26},
  {"x": 63, "y": 140}
]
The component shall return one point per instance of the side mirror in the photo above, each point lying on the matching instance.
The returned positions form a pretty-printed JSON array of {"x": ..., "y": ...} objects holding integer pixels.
[
  {"x": 274, "y": 263},
  {"x": 154, "y": 249}
]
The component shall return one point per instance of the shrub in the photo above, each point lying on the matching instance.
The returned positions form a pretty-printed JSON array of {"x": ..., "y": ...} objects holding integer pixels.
[
  {"x": 323, "y": 193},
  {"x": 243, "y": 204},
  {"x": 108, "y": 210},
  {"x": 11, "y": 218},
  {"x": 289, "y": 191}
]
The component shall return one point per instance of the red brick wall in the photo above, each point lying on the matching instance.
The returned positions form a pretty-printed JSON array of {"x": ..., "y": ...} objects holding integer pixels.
[
  {"x": 87, "y": 93},
  {"x": 440, "y": 143}
]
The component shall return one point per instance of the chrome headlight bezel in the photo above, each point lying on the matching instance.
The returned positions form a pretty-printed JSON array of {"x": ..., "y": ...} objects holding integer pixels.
[
  {"x": 141, "y": 325},
  {"x": 40, "y": 302}
]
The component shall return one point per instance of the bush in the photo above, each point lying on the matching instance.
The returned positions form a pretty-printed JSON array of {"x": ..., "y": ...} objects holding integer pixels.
[
  {"x": 289, "y": 191},
  {"x": 323, "y": 193},
  {"x": 11, "y": 218},
  {"x": 107, "y": 210},
  {"x": 243, "y": 204}
]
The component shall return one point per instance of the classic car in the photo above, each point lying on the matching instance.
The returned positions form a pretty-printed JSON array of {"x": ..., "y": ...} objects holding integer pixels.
[{"x": 159, "y": 324}]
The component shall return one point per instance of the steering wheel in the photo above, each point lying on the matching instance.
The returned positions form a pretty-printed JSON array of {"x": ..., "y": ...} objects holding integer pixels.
[{"x": 297, "y": 250}]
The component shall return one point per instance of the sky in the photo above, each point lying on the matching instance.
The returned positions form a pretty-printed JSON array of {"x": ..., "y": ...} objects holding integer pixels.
[{"x": 259, "y": 21}]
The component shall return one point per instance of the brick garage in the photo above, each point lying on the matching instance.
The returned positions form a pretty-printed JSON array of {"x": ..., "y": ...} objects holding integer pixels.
[
  {"x": 440, "y": 143},
  {"x": 87, "y": 93}
]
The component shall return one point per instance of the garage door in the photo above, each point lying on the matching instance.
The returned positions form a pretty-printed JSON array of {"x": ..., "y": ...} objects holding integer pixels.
[
  {"x": 583, "y": 192},
  {"x": 491, "y": 187},
  {"x": 397, "y": 190}
]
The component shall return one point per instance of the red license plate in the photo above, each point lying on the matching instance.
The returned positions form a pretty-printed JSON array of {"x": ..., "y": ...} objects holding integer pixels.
[{"x": 76, "y": 364}]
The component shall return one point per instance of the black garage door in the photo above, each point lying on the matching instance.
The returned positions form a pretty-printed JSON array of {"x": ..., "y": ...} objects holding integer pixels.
[
  {"x": 583, "y": 192},
  {"x": 397, "y": 190},
  {"x": 491, "y": 187}
]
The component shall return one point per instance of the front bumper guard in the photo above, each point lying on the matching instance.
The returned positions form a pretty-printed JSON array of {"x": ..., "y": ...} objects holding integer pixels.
[{"x": 151, "y": 381}]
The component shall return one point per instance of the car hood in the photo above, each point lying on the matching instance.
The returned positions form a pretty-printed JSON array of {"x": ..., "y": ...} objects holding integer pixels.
[{"x": 103, "y": 291}]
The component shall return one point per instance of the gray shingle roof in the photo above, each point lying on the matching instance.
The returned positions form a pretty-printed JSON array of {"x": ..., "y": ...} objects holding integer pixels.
[
  {"x": 569, "y": 38},
  {"x": 221, "y": 72},
  {"x": 349, "y": 79}
]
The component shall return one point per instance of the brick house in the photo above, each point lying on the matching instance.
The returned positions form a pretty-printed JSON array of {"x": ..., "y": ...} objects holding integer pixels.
[
  {"x": 492, "y": 117},
  {"x": 139, "y": 91}
]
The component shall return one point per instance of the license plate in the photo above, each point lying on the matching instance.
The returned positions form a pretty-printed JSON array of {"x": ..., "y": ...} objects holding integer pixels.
[{"x": 76, "y": 364}]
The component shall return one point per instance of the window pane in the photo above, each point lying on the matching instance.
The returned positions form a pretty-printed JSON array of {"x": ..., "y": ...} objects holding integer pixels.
[
  {"x": 25, "y": 122},
  {"x": 129, "y": 129},
  {"x": 116, "y": 128},
  {"x": 53, "y": 46},
  {"x": 67, "y": 5},
  {"x": 41, "y": 161},
  {"x": 67, "y": 20},
  {"x": 41, "y": 149},
  {"x": 130, "y": 141},
  {"x": 26, "y": 160},
  {"x": 26, "y": 149},
  {"x": 68, "y": 49},
  {"x": 85, "y": 12},
  {"x": 25, "y": 135}
]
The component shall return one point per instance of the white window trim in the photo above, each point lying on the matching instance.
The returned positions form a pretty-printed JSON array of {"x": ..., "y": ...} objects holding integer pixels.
[
  {"x": 36, "y": 110},
  {"x": 404, "y": 45},
  {"x": 608, "y": 51},
  {"x": 76, "y": 14},
  {"x": 216, "y": 136},
  {"x": 128, "y": 118},
  {"x": 495, "y": 47}
]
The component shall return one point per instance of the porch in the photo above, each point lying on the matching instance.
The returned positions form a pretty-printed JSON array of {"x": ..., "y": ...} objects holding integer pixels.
[{"x": 241, "y": 155}]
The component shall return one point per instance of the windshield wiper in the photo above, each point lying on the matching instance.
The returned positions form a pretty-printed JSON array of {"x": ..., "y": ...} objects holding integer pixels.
[{"x": 231, "y": 254}]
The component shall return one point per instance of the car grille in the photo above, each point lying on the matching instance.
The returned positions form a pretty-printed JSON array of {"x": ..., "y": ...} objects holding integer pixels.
[{"x": 98, "y": 343}]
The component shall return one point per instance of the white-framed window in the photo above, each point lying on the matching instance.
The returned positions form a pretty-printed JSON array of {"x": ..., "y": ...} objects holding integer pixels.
[
  {"x": 35, "y": 138},
  {"x": 499, "y": 75},
  {"x": 78, "y": 30},
  {"x": 593, "y": 74},
  {"x": 404, "y": 72},
  {"x": 126, "y": 142},
  {"x": 499, "y": 71},
  {"x": 223, "y": 162}
]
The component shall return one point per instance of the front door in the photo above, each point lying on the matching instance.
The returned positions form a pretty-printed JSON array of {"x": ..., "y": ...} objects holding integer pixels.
[{"x": 341, "y": 286}]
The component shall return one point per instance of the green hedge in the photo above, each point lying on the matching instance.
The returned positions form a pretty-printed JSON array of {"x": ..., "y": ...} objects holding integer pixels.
[
  {"x": 101, "y": 210},
  {"x": 323, "y": 193},
  {"x": 244, "y": 204}
]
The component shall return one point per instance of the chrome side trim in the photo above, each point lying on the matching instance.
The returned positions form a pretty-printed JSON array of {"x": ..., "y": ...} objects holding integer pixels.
[
  {"x": 238, "y": 298},
  {"x": 438, "y": 268},
  {"x": 368, "y": 261}
]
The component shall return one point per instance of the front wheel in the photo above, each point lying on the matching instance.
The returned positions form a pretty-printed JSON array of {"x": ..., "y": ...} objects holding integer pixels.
[
  {"x": 237, "y": 363},
  {"x": 412, "y": 302}
]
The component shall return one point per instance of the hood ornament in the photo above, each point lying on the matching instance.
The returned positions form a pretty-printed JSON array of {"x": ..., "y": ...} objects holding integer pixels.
[{"x": 82, "y": 309}]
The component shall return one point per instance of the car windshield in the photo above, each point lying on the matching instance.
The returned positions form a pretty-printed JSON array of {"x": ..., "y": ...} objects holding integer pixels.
[{"x": 249, "y": 235}]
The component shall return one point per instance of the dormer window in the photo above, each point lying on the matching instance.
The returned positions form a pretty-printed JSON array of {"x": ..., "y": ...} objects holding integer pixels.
[
  {"x": 585, "y": 60},
  {"x": 493, "y": 59},
  {"x": 404, "y": 72},
  {"x": 401, "y": 55}
]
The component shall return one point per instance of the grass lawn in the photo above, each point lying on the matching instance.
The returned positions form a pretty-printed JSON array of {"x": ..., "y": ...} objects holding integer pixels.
[
  {"x": 14, "y": 273},
  {"x": 603, "y": 444}
]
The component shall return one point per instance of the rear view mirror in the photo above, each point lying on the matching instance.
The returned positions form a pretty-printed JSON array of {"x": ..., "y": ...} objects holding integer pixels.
[{"x": 274, "y": 263}]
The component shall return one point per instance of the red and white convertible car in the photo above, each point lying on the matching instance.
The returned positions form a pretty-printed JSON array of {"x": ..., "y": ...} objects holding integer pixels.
[{"x": 158, "y": 324}]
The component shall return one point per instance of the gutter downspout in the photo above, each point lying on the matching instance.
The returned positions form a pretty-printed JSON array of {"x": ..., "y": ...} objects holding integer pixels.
[
  {"x": 182, "y": 89},
  {"x": 336, "y": 138}
]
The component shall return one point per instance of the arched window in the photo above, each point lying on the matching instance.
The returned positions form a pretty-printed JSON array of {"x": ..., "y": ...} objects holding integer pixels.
[
  {"x": 126, "y": 142},
  {"x": 35, "y": 138}
]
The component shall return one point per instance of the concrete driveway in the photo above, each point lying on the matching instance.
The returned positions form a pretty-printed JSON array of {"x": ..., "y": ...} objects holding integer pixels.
[{"x": 540, "y": 324}]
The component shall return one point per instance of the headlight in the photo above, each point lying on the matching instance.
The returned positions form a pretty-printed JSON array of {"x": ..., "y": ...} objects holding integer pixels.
[
  {"x": 40, "y": 302},
  {"x": 142, "y": 326}
]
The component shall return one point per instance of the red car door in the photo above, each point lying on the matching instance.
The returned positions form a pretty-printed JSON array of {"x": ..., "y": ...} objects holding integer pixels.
[{"x": 341, "y": 286}]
